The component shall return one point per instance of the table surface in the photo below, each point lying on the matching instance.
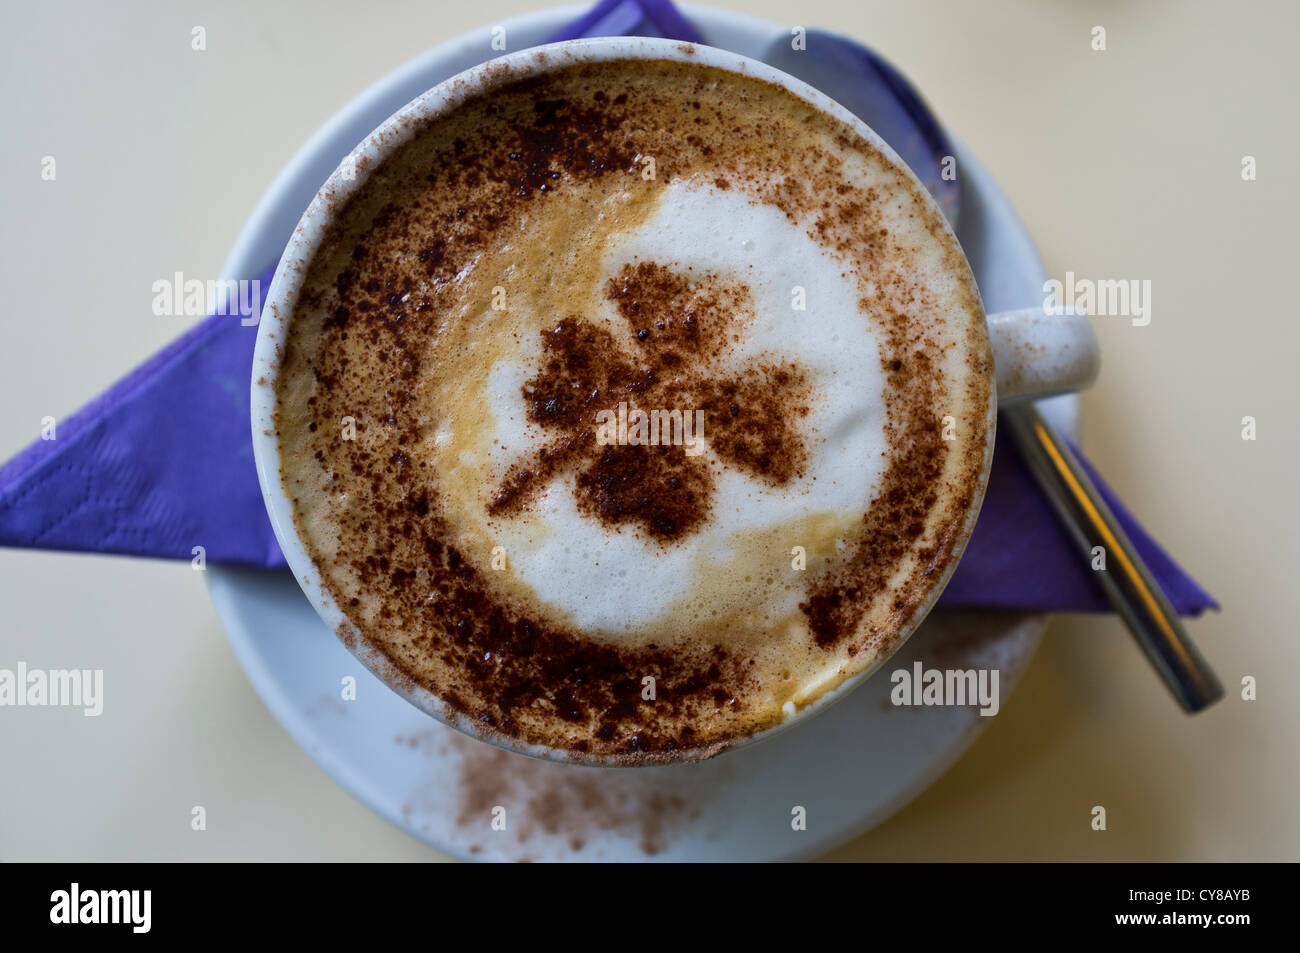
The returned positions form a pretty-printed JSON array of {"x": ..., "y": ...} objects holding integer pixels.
[{"x": 1125, "y": 164}]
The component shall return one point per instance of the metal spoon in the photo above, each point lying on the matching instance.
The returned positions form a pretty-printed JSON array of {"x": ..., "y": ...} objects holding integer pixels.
[{"x": 882, "y": 97}]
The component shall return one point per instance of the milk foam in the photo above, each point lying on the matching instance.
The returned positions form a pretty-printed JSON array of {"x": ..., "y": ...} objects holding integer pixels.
[{"x": 618, "y": 582}]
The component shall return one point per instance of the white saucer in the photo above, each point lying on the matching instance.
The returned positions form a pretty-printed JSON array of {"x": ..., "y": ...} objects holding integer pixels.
[{"x": 848, "y": 768}]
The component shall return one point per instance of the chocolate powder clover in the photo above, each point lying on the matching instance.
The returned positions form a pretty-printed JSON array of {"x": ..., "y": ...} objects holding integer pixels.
[{"x": 679, "y": 330}]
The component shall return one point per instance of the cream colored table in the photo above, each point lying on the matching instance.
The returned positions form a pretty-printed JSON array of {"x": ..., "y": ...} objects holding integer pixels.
[{"x": 1125, "y": 163}]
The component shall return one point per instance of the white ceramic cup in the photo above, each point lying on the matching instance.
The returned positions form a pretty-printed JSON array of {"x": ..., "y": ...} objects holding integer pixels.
[{"x": 1036, "y": 354}]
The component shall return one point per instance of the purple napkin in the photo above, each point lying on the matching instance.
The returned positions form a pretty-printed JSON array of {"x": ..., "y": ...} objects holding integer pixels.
[{"x": 162, "y": 463}]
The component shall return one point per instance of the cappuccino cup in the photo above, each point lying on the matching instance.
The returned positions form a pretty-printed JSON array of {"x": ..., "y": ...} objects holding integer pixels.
[{"x": 625, "y": 401}]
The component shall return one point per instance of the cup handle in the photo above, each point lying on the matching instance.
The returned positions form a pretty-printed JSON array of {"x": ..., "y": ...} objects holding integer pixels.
[{"x": 1038, "y": 354}]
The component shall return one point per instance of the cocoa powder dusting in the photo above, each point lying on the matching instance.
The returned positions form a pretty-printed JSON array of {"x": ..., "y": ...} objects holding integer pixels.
[
  {"x": 667, "y": 358},
  {"x": 383, "y": 291},
  {"x": 554, "y": 801}
]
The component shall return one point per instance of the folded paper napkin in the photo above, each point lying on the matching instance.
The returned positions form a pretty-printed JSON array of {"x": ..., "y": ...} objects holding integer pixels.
[{"x": 162, "y": 463}]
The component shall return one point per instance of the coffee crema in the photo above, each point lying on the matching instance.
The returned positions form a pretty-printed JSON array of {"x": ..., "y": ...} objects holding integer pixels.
[{"x": 638, "y": 240}]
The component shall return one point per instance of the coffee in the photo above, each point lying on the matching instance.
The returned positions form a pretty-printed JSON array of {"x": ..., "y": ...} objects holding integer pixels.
[{"x": 631, "y": 407}]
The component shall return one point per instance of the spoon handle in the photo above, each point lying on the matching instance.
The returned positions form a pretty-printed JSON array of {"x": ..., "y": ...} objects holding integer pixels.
[{"x": 1127, "y": 582}]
